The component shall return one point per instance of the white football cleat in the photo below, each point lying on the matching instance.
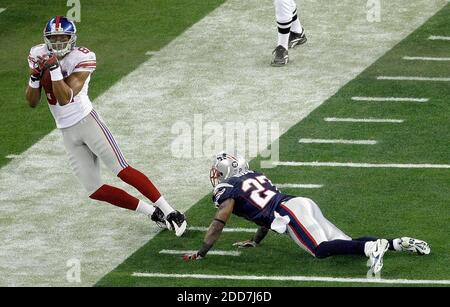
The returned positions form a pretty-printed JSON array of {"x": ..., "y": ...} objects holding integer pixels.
[
  {"x": 415, "y": 246},
  {"x": 176, "y": 221},
  {"x": 375, "y": 253}
]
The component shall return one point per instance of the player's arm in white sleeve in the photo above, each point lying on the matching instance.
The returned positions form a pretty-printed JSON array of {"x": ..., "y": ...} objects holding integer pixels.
[{"x": 215, "y": 229}]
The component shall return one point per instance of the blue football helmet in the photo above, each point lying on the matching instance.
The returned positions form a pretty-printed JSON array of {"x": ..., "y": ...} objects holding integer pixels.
[{"x": 60, "y": 25}]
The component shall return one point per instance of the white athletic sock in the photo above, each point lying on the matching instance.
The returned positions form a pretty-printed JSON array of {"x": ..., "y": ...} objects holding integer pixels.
[
  {"x": 296, "y": 26},
  {"x": 145, "y": 208},
  {"x": 162, "y": 204},
  {"x": 396, "y": 244},
  {"x": 283, "y": 40}
]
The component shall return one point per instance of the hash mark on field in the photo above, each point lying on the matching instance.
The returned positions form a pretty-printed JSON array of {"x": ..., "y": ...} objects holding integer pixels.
[
  {"x": 360, "y": 165},
  {"x": 443, "y": 38},
  {"x": 363, "y": 120},
  {"x": 12, "y": 156},
  {"x": 214, "y": 252},
  {"x": 203, "y": 229},
  {"x": 337, "y": 141},
  {"x": 295, "y": 278},
  {"x": 298, "y": 185},
  {"x": 400, "y": 99},
  {"x": 413, "y": 78},
  {"x": 152, "y": 53},
  {"x": 417, "y": 58}
]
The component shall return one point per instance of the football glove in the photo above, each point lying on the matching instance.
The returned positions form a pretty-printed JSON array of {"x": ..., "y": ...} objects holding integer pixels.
[
  {"x": 194, "y": 256},
  {"x": 38, "y": 67},
  {"x": 244, "y": 244},
  {"x": 51, "y": 63}
]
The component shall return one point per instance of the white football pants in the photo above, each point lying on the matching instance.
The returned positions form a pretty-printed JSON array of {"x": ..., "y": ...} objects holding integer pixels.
[
  {"x": 308, "y": 227},
  {"x": 86, "y": 142}
]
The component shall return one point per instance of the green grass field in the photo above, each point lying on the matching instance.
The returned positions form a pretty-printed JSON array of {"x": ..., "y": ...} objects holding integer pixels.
[{"x": 383, "y": 202}]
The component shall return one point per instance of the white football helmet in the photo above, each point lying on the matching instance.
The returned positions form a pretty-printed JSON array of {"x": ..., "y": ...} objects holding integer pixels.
[{"x": 226, "y": 166}]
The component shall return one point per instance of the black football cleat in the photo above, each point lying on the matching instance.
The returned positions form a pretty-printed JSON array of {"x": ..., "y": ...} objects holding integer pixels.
[
  {"x": 281, "y": 56},
  {"x": 176, "y": 221},
  {"x": 296, "y": 39},
  {"x": 158, "y": 218}
]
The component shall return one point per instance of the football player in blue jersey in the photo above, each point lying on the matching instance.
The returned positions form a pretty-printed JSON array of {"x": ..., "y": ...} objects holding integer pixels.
[{"x": 252, "y": 195}]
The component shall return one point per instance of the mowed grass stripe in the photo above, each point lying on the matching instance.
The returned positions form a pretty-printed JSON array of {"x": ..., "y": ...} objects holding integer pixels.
[{"x": 46, "y": 224}]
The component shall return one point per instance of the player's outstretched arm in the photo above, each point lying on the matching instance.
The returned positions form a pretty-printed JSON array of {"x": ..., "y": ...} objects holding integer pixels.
[
  {"x": 257, "y": 238},
  {"x": 214, "y": 230}
]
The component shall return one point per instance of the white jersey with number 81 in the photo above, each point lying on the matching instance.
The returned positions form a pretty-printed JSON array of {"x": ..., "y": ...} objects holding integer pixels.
[{"x": 79, "y": 59}]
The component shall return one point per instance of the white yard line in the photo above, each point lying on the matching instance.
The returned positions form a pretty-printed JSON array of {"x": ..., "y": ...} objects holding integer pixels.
[
  {"x": 298, "y": 186},
  {"x": 297, "y": 278},
  {"x": 337, "y": 141},
  {"x": 213, "y": 252},
  {"x": 443, "y": 38},
  {"x": 393, "y": 99},
  {"x": 48, "y": 218},
  {"x": 361, "y": 165},
  {"x": 417, "y": 58},
  {"x": 12, "y": 156},
  {"x": 226, "y": 229},
  {"x": 414, "y": 78},
  {"x": 2, "y": 9},
  {"x": 363, "y": 120}
]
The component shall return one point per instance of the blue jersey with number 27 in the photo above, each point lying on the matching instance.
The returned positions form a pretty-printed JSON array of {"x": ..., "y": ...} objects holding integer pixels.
[{"x": 256, "y": 198}]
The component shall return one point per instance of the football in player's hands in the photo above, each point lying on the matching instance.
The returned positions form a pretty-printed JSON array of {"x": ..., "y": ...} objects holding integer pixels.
[
  {"x": 46, "y": 81},
  {"x": 245, "y": 244}
]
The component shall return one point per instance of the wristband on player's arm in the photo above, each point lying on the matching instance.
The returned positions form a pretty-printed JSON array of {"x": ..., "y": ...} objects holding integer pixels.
[
  {"x": 204, "y": 250},
  {"x": 56, "y": 74},
  {"x": 34, "y": 82}
]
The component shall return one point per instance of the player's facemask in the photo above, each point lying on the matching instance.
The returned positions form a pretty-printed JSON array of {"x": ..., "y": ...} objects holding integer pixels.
[
  {"x": 226, "y": 166},
  {"x": 59, "y": 44}
]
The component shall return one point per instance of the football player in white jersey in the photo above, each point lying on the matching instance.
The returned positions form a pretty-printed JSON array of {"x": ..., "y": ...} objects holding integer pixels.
[
  {"x": 290, "y": 31},
  {"x": 64, "y": 71}
]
